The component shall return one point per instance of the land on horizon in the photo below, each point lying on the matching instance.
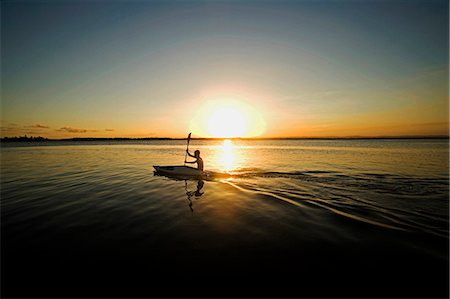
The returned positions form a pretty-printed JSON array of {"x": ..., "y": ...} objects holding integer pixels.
[{"x": 40, "y": 139}]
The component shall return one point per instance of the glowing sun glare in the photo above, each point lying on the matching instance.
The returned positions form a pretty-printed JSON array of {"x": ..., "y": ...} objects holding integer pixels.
[
  {"x": 226, "y": 122},
  {"x": 228, "y": 156},
  {"x": 227, "y": 118}
]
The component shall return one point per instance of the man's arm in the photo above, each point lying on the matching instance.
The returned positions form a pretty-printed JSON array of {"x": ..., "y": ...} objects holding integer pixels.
[{"x": 187, "y": 151}]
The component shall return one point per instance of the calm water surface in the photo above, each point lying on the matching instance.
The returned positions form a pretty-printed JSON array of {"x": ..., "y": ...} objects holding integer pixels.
[{"x": 316, "y": 218}]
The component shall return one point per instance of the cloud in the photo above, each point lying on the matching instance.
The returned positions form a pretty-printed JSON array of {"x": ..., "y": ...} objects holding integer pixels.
[
  {"x": 11, "y": 127},
  {"x": 5, "y": 129},
  {"x": 39, "y": 126},
  {"x": 74, "y": 130},
  {"x": 109, "y": 130}
]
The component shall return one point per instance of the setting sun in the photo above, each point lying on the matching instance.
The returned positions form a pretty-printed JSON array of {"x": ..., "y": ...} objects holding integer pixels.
[
  {"x": 227, "y": 122},
  {"x": 225, "y": 118}
]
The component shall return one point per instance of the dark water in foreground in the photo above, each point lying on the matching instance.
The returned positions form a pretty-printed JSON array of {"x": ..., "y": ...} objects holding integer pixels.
[{"x": 298, "y": 218}]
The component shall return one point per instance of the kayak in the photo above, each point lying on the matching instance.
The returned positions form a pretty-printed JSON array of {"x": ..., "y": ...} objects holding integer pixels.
[{"x": 179, "y": 171}]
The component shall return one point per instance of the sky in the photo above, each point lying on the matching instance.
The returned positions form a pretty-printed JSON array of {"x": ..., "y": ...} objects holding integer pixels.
[{"x": 160, "y": 68}]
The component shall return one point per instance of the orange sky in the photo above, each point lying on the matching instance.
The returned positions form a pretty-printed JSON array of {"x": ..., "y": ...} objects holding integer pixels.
[{"x": 274, "y": 69}]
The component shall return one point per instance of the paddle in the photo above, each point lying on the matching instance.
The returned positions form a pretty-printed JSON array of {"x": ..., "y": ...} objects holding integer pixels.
[{"x": 187, "y": 147}]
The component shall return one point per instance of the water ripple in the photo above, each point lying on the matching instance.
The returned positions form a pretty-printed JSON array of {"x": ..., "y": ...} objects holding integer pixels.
[{"x": 390, "y": 201}]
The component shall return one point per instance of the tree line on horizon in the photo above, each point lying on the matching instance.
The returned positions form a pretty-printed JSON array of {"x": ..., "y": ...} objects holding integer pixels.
[
  {"x": 41, "y": 139},
  {"x": 24, "y": 138}
]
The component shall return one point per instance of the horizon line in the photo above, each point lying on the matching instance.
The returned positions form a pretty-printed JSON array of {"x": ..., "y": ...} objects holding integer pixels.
[{"x": 30, "y": 138}]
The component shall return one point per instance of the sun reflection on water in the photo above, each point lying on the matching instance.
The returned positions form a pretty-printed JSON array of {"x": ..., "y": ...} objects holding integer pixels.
[{"x": 227, "y": 157}]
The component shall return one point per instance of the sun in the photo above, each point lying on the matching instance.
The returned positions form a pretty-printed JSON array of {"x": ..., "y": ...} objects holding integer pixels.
[
  {"x": 227, "y": 118},
  {"x": 226, "y": 122}
]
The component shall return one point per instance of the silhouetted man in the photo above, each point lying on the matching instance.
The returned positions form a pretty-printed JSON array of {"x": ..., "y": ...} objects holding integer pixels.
[{"x": 198, "y": 160}]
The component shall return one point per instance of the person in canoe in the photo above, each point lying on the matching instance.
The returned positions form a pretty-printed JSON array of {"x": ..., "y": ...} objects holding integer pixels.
[{"x": 198, "y": 160}]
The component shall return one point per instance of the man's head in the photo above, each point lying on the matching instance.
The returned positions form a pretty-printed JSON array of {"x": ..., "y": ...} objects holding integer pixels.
[{"x": 197, "y": 153}]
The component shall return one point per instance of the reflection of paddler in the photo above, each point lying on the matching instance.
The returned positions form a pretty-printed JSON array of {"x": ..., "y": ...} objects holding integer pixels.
[
  {"x": 199, "y": 188},
  {"x": 196, "y": 193}
]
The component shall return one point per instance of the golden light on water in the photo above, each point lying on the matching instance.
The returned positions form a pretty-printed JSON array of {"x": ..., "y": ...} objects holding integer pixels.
[
  {"x": 227, "y": 118},
  {"x": 227, "y": 158}
]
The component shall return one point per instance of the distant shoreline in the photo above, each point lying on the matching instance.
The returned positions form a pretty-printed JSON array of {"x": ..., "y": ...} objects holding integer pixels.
[{"x": 42, "y": 139}]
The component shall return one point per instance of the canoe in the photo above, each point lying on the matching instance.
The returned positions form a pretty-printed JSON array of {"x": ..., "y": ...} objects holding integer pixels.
[{"x": 179, "y": 171}]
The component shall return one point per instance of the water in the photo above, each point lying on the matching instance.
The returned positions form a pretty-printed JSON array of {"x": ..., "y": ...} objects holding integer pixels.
[{"x": 315, "y": 218}]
